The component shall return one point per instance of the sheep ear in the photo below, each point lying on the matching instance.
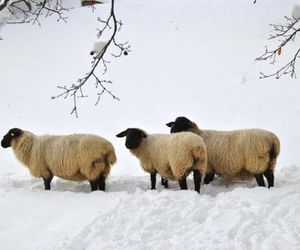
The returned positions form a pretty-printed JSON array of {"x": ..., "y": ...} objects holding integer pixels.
[
  {"x": 122, "y": 134},
  {"x": 170, "y": 124},
  {"x": 143, "y": 134}
]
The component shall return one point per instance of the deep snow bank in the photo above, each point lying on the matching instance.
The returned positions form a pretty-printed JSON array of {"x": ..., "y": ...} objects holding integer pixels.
[{"x": 130, "y": 216}]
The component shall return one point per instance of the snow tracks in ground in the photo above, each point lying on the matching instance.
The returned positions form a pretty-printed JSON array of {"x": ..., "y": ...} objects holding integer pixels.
[
  {"x": 241, "y": 219},
  {"x": 130, "y": 216}
]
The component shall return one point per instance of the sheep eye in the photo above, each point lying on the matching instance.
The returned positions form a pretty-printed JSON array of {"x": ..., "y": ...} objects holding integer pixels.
[{"x": 12, "y": 134}]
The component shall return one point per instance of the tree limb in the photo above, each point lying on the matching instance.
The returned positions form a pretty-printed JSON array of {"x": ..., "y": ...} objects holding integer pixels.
[
  {"x": 76, "y": 90},
  {"x": 4, "y": 4},
  {"x": 24, "y": 11},
  {"x": 285, "y": 34}
]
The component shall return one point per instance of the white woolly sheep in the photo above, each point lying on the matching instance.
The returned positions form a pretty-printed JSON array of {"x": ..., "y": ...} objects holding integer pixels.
[
  {"x": 75, "y": 157},
  {"x": 238, "y": 154},
  {"x": 173, "y": 156}
]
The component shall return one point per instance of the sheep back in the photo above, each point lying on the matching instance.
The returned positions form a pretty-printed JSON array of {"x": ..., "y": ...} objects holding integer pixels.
[
  {"x": 230, "y": 153},
  {"x": 72, "y": 157},
  {"x": 172, "y": 155}
]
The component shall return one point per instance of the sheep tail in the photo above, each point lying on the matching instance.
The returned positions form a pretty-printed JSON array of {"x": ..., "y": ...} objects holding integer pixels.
[
  {"x": 200, "y": 160},
  {"x": 274, "y": 152},
  {"x": 111, "y": 157}
]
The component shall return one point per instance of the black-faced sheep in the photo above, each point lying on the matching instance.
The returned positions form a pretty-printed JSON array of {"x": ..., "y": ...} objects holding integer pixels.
[
  {"x": 173, "y": 156},
  {"x": 238, "y": 154},
  {"x": 75, "y": 157}
]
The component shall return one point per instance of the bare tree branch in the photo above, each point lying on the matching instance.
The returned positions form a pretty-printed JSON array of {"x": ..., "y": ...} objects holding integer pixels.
[
  {"x": 4, "y": 4},
  {"x": 76, "y": 90},
  {"x": 25, "y": 11},
  {"x": 285, "y": 34},
  {"x": 289, "y": 68},
  {"x": 90, "y": 2},
  {"x": 31, "y": 11}
]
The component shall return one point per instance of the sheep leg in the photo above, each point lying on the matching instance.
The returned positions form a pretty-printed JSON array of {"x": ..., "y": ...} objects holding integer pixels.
[
  {"x": 260, "y": 180},
  {"x": 209, "y": 178},
  {"x": 164, "y": 182},
  {"x": 47, "y": 182},
  {"x": 102, "y": 182},
  {"x": 153, "y": 180},
  {"x": 94, "y": 185},
  {"x": 197, "y": 180},
  {"x": 270, "y": 177},
  {"x": 183, "y": 184}
]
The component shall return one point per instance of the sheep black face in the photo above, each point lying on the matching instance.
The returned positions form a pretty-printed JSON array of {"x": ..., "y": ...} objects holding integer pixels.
[
  {"x": 134, "y": 137},
  {"x": 11, "y": 135},
  {"x": 181, "y": 124}
]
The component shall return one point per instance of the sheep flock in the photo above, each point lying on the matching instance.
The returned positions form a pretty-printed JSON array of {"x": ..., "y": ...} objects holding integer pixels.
[{"x": 232, "y": 155}]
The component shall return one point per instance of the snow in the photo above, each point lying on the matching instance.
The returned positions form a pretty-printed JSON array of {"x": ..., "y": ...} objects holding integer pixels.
[
  {"x": 130, "y": 216},
  {"x": 191, "y": 58},
  {"x": 296, "y": 12},
  {"x": 98, "y": 47},
  {"x": 4, "y": 17}
]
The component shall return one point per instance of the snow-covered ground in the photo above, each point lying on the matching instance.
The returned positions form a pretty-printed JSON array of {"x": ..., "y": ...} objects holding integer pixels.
[{"x": 191, "y": 58}]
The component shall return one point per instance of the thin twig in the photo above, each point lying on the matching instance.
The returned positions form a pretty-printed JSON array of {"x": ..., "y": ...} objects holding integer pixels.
[
  {"x": 4, "y": 4},
  {"x": 24, "y": 11},
  {"x": 110, "y": 24},
  {"x": 289, "y": 68},
  {"x": 285, "y": 34}
]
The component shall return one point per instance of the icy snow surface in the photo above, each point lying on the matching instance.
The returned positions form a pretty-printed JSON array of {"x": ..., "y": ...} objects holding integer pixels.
[
  {"x": 192, "y": 58},
  {"x": 296, "y": 12}
]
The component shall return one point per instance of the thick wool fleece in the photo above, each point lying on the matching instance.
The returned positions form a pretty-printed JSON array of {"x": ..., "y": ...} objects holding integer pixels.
[
  {"x": 239, "y": 154},
  {"x": 72, "y": 157},
  {"x": 172, "y": 155}
]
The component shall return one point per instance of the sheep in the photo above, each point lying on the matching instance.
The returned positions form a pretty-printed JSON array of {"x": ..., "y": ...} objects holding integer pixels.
[
  {"x": 238, "y": 154},
  {"x": 75, "y": 157},
  {"x": 173, "y": 156},
  {"x": 164, "y": 181}
]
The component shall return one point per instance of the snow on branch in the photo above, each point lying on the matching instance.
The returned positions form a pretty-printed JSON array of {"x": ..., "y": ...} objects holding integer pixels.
[
  {"x": 30, "y": 11},
  {"x": 3, "y": 4},
  {"x": 285, "y": 34},
  {"x": 99, "y": 52}
]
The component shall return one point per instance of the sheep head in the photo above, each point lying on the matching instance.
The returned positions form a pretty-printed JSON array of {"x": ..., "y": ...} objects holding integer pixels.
[
  {"x": 12, "y": 134},
  {"x": 181, "y": 124},
  {"x": 134, "y": 137}
]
